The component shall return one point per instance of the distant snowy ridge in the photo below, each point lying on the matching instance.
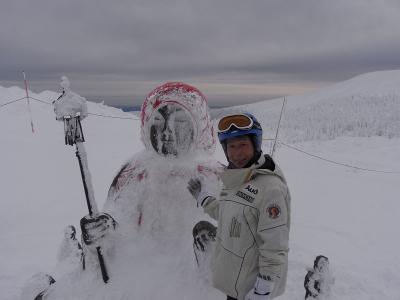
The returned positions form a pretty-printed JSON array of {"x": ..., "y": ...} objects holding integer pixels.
[
  {"x": 358, "y": 116},
  {"x": 15, "y": 93},
  {"x": 367, "y": 105}
]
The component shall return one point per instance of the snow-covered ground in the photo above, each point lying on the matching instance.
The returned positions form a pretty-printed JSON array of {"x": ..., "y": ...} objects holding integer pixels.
[{"x": 349, "y": 215}]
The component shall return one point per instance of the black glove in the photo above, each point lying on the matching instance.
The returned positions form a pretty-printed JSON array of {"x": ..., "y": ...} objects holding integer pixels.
[
  {"x": 203, "y": 233},
  {"x": 96, "y": 227}
]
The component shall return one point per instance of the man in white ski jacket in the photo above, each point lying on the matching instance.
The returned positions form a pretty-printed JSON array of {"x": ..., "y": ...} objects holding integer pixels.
[{"x": 250, "y": 258}]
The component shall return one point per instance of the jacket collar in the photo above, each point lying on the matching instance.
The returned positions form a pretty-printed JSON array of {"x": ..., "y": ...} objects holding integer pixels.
[
  {"x": 232, "y": 178},
  {"x": 235, "y": 177}
]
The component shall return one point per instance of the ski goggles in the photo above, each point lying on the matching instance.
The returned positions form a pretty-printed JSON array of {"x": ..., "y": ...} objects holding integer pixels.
[{"x": 239, "y": 121}]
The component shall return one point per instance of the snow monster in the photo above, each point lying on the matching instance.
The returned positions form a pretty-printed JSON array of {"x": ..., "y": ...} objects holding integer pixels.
[{"x": 145, "y": 227}]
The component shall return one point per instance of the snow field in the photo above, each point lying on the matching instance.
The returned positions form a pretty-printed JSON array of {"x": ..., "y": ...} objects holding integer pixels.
[{"x": 351, "y": 216}]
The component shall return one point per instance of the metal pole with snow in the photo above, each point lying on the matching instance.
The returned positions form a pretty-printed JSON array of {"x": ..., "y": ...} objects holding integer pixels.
[
  {"x": 27, "y": 100},
  {"x": 71, "y": 109},
  {"x": 277, "y": 129}
]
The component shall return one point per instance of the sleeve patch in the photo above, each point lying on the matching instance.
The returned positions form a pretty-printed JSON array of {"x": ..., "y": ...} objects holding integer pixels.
[{"x": 274, "y": 211}]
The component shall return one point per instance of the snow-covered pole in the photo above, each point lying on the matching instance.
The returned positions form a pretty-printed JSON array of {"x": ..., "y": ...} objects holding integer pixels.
[
  {"x": 71, "y": 109},
  {"x": 277, "y": 129},
  {"x": 27, "y": 100},
  {"x": 74, "y": 135}
]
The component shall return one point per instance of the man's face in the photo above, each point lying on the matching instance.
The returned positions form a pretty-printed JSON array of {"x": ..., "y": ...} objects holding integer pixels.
[
  {"x": 240, "y": 151},
  {"x": 171, "y": 131}
]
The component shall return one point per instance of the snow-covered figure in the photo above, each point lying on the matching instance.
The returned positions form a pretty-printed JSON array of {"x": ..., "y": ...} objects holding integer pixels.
[
  {"x": 145, "y": 227},
  {"x": 177, "y": 132},
  {"x": 318, "y": 281},
  {"x": 69, "y": 103}
]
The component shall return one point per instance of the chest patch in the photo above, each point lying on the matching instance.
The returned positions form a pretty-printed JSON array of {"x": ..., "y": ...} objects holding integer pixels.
[
  {"x": 244, "y": 196},
  {"x": 251, "y": 189}
]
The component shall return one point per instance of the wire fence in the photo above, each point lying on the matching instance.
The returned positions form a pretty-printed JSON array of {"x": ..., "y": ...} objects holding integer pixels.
[
  {"x": 49, "y": 103},
  {"x": 12, "y": 101},
  {"x": 335, "y": 162},
  {"x": 39, "y": 100},
  {"x": 278, "y": 142}
]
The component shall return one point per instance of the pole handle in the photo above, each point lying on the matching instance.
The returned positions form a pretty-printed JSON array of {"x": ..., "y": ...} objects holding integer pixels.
[
  {"x": 85, "y": 185},
  {"x": 92, "y": 209}
]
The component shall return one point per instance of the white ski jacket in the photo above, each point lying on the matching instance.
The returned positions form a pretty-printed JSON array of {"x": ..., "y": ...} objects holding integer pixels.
[{"x": 253, "y": 213}]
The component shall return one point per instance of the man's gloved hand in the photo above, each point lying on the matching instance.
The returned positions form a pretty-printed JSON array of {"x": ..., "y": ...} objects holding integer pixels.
[
  {"x": 96, "y": 227},
  {"x": 198, "y": 190},
  {"x": 261, "y": 291}
]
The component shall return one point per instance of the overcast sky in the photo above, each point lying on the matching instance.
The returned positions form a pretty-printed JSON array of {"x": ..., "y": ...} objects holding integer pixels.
[{"x": 233, "y": 51}]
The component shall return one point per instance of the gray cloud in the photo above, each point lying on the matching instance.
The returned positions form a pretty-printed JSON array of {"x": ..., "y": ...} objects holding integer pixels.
[{"x": 120, "y": 50}]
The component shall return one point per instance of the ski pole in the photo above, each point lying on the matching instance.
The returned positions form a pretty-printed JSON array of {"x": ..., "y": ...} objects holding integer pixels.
[
  {"x": 74, "y": 135},
  {"x": 69, "y": 110}
]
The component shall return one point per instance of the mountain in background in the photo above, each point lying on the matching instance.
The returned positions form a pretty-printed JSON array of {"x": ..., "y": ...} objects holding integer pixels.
[{"x": 366, "y": 105}]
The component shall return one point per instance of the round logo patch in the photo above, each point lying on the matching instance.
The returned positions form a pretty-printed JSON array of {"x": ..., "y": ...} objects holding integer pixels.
[{"x": 274, "y": 211}]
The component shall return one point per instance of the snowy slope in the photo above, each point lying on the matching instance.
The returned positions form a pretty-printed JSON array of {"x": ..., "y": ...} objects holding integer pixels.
[
  {"x": 367, "y": 105},
  {"x": 351, "y": 216}
]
